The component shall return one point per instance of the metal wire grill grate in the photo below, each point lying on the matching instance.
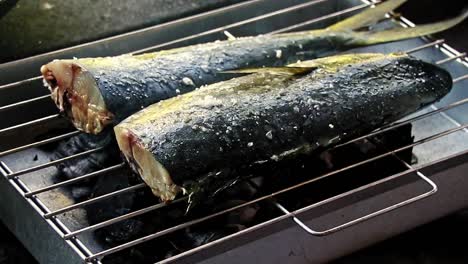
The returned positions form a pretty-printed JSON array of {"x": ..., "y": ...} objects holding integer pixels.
[{"x": 73, "y": 236}]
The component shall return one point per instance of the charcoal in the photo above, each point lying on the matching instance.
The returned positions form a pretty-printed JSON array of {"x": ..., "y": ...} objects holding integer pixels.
[
  {"x": 312, "y": 166},
  {"x": 113, "y": 207},
  {"x": 81, "y": 166},
  {"x": 93, "y": 162},
  {"x": 80, "y": 193}
]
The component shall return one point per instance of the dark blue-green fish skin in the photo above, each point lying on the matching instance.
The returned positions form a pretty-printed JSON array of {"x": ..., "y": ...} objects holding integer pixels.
[
  {"x": 127, "y": 89},
  {"x": 229, "y": 127}
]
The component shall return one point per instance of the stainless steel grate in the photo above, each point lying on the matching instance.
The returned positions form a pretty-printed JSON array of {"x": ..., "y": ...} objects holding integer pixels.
[{"x": 74, "y": 237}]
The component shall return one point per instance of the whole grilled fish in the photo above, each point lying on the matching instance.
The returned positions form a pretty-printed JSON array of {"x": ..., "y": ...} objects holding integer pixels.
[
  {"x": 225, "y": 129},
  {"x": 97, "y": 92}
]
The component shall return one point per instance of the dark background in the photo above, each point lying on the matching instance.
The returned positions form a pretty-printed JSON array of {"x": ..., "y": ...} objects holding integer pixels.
[
  {"x": 442, "y": 241},
  {"x": 37, "y": 26}
]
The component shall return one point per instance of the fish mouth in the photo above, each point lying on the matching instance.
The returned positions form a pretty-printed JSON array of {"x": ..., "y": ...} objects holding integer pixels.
[
  {"x": 153, "y": 173},
  {"x": 77, "y": 95}
]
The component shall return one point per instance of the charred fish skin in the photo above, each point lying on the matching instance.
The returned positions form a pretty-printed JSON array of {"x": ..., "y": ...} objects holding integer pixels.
[
  {"x": 99, "y": 92},
  {"x": 228, "y": 127}
]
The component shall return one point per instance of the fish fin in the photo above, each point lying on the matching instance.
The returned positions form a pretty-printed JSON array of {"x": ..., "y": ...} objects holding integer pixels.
[
  {"x": 276, "y": 70},
  {"x": 367, "y": 17},
  {"x": 338, "y": 61},
  {"x": 395, "y": 34}
]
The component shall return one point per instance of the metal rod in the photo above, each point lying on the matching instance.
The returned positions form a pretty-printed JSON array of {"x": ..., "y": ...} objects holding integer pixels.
[
  {"x": 94, "y": 200},
  {"x": 9, "y": 85},
  {"x": 310, "y": 231},
  {"x": 418, "y": 172},
  {"x": 56, "y": 224},
  {"x": 38, "y": 167},
  {"x": 451, "y": 58},
  {"x": 269, "y": 196},
  {"x": 122, "y": 217},
  {"x": 392, "y": 152},
  {"x": 446, "y": 49},
  {"x": 40, "y": 143},
  {"x": 273, "y": 201},
  {"x": 164, "y": 232},
  {"x": 33, "y": 122},
  {"x": 286, "y": 212},
  {"x": 233, "y": 25},
  {"x": 428, "y": 45},
  {"x": 461, "y": 78},
  {"x": 315, "y": 20},
  {"x": 223, "y": 239},
  {"x": 13, "y": 105},
  {"x": 449, "y": 118},
  {"x": 74, "y": 180},
  {"x": 368, "y": 216},
  {"x": 401, "y": 123},
  {"x": 247, "y": 230}
]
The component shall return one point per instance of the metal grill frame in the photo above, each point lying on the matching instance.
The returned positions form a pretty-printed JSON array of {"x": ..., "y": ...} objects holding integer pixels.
[{"x": 71, "y": 238}]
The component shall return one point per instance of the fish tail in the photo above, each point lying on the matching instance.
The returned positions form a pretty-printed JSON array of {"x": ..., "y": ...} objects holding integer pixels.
[
  {"x": 395, "y": 34},
  {"x": 367, "y": 17}
]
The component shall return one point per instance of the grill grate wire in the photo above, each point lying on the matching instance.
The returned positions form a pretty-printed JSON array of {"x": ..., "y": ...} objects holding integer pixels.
[{"x": 72, "y": 236}]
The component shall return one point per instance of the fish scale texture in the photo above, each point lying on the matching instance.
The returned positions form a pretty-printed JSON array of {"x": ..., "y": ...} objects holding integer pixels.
[
  {"x": 316, "y": 110},
  {"x": 130, "y": 83}
]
